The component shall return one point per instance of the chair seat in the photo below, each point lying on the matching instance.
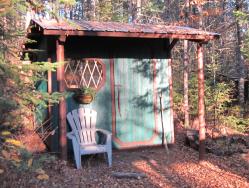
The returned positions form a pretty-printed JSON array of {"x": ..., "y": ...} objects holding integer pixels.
[{"x": 93, "y": 148}]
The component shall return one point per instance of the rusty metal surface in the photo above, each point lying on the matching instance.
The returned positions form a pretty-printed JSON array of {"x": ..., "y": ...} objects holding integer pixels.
[{"x": 119, "y": 27}]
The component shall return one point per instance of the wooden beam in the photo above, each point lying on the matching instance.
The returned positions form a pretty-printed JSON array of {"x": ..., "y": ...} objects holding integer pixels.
[
  {"x": 33, "y": 35},
  {"x": 49, "y": 78},
  {"x": 62, "y": 38},
  {"x": 112, "y": 87},
  {"x": 196, "y": 40},
  {"x": 62, "y": 103},
  {"x": 129, "y": 34},
  {"x": 201, "y": 105},
  {"x": 173, "y": 43}
]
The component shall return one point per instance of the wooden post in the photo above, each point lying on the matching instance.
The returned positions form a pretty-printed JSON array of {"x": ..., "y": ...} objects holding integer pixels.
[
  {"x": 62, "y": 103},
  {"x": 49, "y": 113},
  {"x": 201, "y": 105},
  {"x": 49, "y": 88}
]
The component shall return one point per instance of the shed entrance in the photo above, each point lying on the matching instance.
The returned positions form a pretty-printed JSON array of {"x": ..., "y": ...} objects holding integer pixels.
[{"x": 137, "y": 84}]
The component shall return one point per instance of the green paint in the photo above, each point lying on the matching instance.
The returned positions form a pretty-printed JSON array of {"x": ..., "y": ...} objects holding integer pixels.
[
  {"x": 41, "y": 112},
  {"x": 135, "y": 117},
  {"x": 102, "y": 102},
  {"x": 162, "y": 80}
]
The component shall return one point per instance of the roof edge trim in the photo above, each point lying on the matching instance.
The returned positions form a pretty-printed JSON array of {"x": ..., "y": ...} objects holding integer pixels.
[{"x": 129, "y": 34}]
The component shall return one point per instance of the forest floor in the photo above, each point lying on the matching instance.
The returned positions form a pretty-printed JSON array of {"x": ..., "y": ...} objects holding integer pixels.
[{"x": 178, "y": 169}]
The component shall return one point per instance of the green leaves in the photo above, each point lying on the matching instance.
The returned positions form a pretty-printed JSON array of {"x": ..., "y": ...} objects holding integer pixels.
[
  {"x": 237, "y": 123},
  {"x": 67, "y": 2},
  {"x": 242, "y": 17},
  {"x": 219, "y": 97},
  {"x": 19, "y": 79}
]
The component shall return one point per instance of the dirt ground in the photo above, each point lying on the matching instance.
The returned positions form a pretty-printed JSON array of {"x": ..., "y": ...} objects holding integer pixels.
[{"x": 178, "y": 169}]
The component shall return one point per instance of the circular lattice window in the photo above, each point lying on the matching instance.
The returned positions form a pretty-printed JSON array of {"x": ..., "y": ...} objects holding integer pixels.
[{"x": 84, "y": 73}]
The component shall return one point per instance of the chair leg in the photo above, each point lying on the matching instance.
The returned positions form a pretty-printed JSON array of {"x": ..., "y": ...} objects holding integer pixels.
[
  {"x": 105, "y": 156},
  {"x": 109, "y": 155},
  {"x": 77, "y": 155},
  {"x": 78, "y": 161}
]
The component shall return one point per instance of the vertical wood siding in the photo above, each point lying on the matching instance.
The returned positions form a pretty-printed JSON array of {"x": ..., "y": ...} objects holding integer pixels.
[{"x": 137, "y": 84}]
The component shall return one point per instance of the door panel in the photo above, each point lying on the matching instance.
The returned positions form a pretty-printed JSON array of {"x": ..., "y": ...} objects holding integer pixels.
[{"x": 134, "y": 100}]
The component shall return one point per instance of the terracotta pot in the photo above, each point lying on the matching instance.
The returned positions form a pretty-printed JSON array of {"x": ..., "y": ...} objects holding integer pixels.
[{"x": 83, "y": 98}]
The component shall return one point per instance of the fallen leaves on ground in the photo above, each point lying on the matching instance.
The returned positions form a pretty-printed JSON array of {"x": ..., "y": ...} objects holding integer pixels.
[
  {"x": 42, "y": 177},
  {"x": 5, "y": 154},
  {"x": 40, "y": 171},
  {"x": 42, "y": 174},
  {"x": 30, "y": 162},
  {"x": 178, "y": 169},
  {"x": 5, "y": 133},
  {"x": 16, "y": 158},
  {"x": 14, "y": 142}
]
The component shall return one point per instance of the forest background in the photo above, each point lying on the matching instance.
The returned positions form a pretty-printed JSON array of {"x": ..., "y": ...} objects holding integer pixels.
[{"x": 226, "y": 59}]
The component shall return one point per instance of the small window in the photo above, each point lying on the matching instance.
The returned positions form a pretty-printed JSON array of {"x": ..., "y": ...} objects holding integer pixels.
[{"x": 84, "y": 73}]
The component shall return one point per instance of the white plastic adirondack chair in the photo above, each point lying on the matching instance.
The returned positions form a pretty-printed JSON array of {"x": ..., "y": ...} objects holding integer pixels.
[{"x": 83, "y": 124}]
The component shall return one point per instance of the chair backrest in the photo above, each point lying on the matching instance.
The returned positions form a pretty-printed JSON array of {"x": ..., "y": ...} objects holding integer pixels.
[{"x": 83, "y": 124}]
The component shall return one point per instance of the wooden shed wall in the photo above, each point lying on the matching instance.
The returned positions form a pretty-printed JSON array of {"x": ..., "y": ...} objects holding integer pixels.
[{"x": 136, "y": 55}]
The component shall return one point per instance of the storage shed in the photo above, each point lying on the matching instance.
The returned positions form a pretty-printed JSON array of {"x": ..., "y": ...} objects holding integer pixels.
[{"x": 130, "y": 67}]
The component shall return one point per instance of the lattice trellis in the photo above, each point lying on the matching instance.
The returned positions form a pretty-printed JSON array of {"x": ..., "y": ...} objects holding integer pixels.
[{"x": 84, "y": 73}]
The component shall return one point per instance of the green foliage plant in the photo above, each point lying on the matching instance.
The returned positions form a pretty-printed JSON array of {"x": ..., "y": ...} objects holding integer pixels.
[
  {"x": 237, "y": 123},
  {"x": 19, "y": 97},
  {"x": 86, "y": 91}
]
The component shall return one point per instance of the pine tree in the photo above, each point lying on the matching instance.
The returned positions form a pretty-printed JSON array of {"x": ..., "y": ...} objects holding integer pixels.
[{"x": 19, "y": 99}]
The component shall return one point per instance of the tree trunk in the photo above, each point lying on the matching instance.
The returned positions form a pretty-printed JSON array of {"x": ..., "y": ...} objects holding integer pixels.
[
  {"x": 201, "y": 89},
  {"x": 185, "y": 72},
  {"x": 240, "y": 61},
  {"x": 200, "y": 9},
  {"x": 201, "y": 105},
  {"x": 134, "y": 10},
  {"x": 89, "y": 7},
  {"x": 185, "y": 85},
  {"x": 139, "y": 9}
]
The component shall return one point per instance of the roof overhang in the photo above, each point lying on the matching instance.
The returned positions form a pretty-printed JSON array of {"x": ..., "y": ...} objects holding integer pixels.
[
  {"x": 128, "y": 35},
  {"x": 114, "y": 29}
]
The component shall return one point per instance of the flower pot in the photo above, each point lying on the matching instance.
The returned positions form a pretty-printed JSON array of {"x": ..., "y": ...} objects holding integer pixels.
[{"x": 83, "y": 98}]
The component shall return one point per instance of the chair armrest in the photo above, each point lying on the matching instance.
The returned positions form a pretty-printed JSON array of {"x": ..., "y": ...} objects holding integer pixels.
[
  {"x": 107, "y": 136},
  {"x": 71, "y": 135}
]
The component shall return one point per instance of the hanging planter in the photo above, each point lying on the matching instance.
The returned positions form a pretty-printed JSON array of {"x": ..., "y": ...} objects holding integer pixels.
[{"x": 84, "y": 95}]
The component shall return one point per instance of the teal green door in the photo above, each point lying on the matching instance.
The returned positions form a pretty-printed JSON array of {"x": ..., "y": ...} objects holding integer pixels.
[{"x": 135, "y": 98}]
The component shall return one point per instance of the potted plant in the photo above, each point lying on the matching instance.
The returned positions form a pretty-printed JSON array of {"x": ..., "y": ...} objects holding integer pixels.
[{"x": 84, "y": 95}]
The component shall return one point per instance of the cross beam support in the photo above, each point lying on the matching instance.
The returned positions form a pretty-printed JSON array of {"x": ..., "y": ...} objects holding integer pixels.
[{"x": 173, "y": 43}]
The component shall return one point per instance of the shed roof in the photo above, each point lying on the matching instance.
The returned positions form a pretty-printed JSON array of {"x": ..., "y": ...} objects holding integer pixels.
[{"x": 115, "y": 29}]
